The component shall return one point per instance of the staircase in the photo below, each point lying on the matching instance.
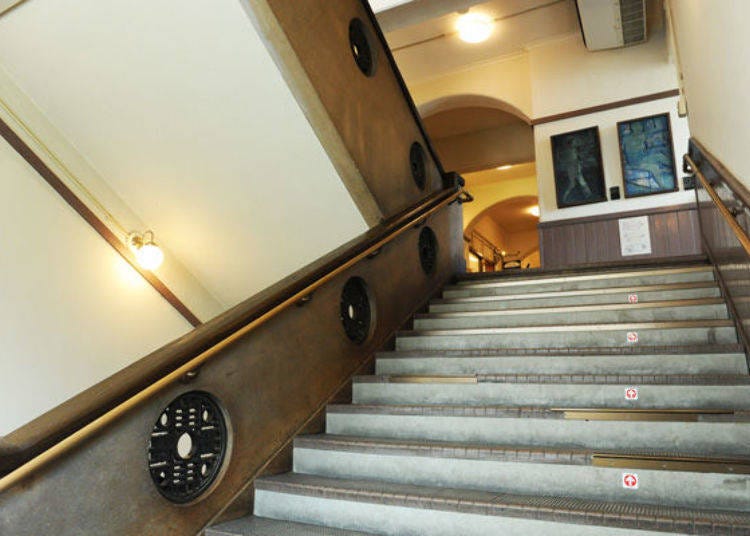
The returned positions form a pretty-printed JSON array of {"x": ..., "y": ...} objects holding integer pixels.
[{"x": 605, "y": 403}]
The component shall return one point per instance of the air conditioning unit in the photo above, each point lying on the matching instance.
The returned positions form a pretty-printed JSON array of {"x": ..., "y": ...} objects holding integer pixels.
[{"x": 612, "y": 23}]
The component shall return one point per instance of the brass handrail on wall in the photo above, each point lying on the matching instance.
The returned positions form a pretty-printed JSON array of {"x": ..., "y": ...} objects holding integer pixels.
[
  {"x": 737, "y": 229},
  {"x": 52, "y": 435}
]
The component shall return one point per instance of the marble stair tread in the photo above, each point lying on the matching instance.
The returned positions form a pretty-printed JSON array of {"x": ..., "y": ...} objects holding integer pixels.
[
  {"x": 542, "y": 278},
  {"x": 526, "y": 454},
  {"x": 567, "y": 351},
  {"x": 558, "y": 509},
  {"x": 662, "y": 287},
  {"x": 585, "y": 379},
  {"x": 725, "y": 415},
  {"x": 570, "y": 327}
]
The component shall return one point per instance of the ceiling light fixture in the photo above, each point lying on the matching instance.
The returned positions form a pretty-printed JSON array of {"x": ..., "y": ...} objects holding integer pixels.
[
  {"x": 534, "y": 211},
  {"x": 474, "y": 27},
  {"x": 147, "y": 253}
]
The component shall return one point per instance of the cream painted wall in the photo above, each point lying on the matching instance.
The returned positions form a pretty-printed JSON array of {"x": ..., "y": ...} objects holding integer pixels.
[
  {"x": 565, "y": 76},
  {"x": 606, "y": 121},
  {"x": 712, "y": 42},
  {"x": 72, "y": 312},
  {"x": 486, "y": 195},
  {"x": 507, "y": 79},
  {"x": 184, "y": 114}
]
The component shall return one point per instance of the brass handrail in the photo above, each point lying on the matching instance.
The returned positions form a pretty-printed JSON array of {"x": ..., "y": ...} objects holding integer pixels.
[
  {"x": 725, "y": 212},
  {"x": 403, "y": 223}
]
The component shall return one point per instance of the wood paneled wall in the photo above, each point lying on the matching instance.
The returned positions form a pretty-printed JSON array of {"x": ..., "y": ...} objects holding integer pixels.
[{"x": 596, "y": 240}]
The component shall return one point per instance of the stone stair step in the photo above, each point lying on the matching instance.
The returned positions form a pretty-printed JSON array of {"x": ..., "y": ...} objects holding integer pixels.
[
  {"x": 707, "y": 360},
  {"x": 608, "y": 295},
  {"x": 719, "y": 432},
  {"x": 258, "y": 526},
  {"x": 697, "y": 309},
  {"x": 399, "y": 509},
  {"x": 664, "y": 478},
  {"x": 501, "y": 287},
  {"x": 561, "y": 390},
  {"x": 677, "y": 333}
]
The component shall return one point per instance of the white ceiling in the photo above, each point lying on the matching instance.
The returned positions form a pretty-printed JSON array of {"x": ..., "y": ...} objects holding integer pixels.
[
  {"x": 430, "y": 47},
  {"x": 178, "y": 105}
]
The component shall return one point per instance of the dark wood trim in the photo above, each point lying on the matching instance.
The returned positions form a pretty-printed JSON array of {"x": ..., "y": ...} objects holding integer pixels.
[
  {"x": 617, "y": 215},
  {"x": 604, "y": 107},
  {"x": 89, "y": 217}
]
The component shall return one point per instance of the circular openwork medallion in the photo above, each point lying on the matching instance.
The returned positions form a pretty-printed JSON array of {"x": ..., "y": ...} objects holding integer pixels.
[
  {"x": 416, "y": 161},
  {"x": 360, "y": 46},
  {"x": 187, "y": 446},
  {"x": 356, "y": 314},
  {"x": 428, "y": 250}
]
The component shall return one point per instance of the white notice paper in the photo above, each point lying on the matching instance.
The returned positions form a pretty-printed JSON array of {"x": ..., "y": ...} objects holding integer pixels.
[{"x": 635, "y": 237}]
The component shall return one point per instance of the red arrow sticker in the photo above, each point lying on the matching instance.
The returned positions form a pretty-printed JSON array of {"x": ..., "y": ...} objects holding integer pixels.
[
  {"x": 632, "y": 337},
  {"x": 630, "y": 481},
  {"x": 631, "y": 393},
  {"x": 633, "y": 298}
]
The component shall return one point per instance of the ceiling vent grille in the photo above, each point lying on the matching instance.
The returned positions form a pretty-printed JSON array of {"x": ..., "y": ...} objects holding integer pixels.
[
  {"x": 633, "y": 18},
  {"x": 609, "y": 24}
]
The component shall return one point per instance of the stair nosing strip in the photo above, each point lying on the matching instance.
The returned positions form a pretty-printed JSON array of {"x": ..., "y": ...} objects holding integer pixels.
[
  {"x": 688, "y": 302},
  {"x": 595, "y": 276},
  {"x": 670, "y": 380},
  {"x": 512, "y": 453},
  {"x": 708, "y": 415},
  {"x": 555, "y": 509},
  {"x": 602, "y": 326},
  {"x": 578, "y": 292}
]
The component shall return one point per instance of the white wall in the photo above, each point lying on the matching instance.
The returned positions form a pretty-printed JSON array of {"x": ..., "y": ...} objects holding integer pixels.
[
  {"x": 183, "y": 112},
  {"x": 72, "y": 312},
  {"x": 712, "y": 43},
  {"x": 607, "y": 121},
  {"x": 507, "y": 79}
]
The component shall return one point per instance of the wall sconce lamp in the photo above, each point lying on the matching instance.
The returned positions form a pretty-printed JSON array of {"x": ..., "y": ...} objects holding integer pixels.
[{"x": 147, "y": 253}]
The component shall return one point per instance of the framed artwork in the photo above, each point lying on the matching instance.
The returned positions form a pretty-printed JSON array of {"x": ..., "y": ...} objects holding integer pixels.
[
  {"x": 577, "y": 162},
  {"x": 646, "y": 155}
]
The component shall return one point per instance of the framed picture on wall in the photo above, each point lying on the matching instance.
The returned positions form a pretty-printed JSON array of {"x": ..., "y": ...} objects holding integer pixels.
[
  {"x": 647, "y": 156},
  {"x": 577, "y": 163}
]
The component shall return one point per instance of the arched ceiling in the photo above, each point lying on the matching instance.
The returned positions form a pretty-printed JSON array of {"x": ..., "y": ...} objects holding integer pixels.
[
  {"x": 471, "y": 138},
  {"x": 469, "y": 119},
  {"x": 512, "y": 215}
]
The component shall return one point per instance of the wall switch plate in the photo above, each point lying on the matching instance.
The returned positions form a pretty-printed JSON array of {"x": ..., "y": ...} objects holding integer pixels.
[{"x": 614, "y": 193}]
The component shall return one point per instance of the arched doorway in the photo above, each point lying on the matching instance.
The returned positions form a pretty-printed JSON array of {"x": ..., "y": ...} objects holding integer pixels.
[{"x": 504, "y": 236}]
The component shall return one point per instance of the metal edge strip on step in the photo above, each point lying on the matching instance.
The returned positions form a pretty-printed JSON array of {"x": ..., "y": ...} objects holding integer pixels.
[
  {"x": 525, "y": 454},
  {"x": 603, "y": 351},
  {"x": 573, "y": 414},
  {"x": 578, "y": 292},
  {"x": 541, "y": 280},
  {"x": 691, "y": 464},
  {"x": 672, "y": 380},
  {"x": 688, "y": 302},
  {"x": 615, "y": 326},
  {"x": 556, "y": 509}
]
